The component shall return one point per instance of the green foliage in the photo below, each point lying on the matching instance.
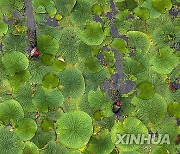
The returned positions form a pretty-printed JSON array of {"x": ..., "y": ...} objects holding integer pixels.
[
  {"x": 9, "y": 142},
  {"x": 130, "y": 125},
  {"x": 92, "y": 34},
  {"x": 96, "y": 142},
  {"x": 64, "y": 7},
  {"x": 162, "y": 5},
  {"x": 14, "y": 62},
  {"x": 145, "y": 90},
  {"x": 54, "y": 148},
  {"x": 152, "y": 110},
  {"x": 94, "y": 56},
  {"x": 50, "y": 81},
  {"x": 30, "y": 147},
  {"x": 72, "y": 83},
  {"x": 82, "y": 12},
  {"x": 138, "y": 40},
  {"x": 47, "y": 44},
  {"x": 164, "y": 61},
  {"x": 11, "y": 111},
  {"x": 24, "y": 97},
  {"x": 25, "y": 128},
  {"x": 69, "y": 43},
  {"x": 74, "y": 129},
  {"x": 47, "y": 100}
]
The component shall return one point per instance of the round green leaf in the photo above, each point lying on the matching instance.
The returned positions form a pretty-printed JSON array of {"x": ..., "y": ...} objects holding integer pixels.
[
  {"x": 101, "y": 143},
  {"x": 159, "y": 150},
  {"x": 92, "y": 34},
  {"x": 45, "y": 100},
  {"x": 119, "y": 44},
  {"x": 14, "y": 43},
  {"x": 164, "y": 61},
  {"x": 50, "y": 81},
  {"x": 145, "y": 90},
  {"x": 24, "y": 97},
  {"x": 55, "y": 148},
  {"x": 69, "y": 43},
  {"x": 14, "y": 62},
  {"x": 9, "y": 142},
  {"x": 72, "y": 83},
  {"x": 82, "y": 12},
  {"x": 11, "y": 110},
  {"x": 4, "y": 28},
  {"x": 152, "y": 110},
  {"x": 97, "y": 98},
  {"x": 173, "y": 109},
  {"x": 138, "y": 40},
  {"x": 74, "y": 129},
  {"x": 64, "y": 7},
  {"x": 59, "y": 65},
  {"x": 25, "y": 128},
  {"x": 31, "y": 148},
  {"x": 162, "y": 5},
  {"x": 92, "y": 64},
  {"x": 142, "y": 13},
  {"x": 47, "y": 59},
  {"x": 130, "y": 125},
  {"x": 42, "y": 138},
  {"x": 47, "y": 125},
  {"x": 47, "y": 44}
]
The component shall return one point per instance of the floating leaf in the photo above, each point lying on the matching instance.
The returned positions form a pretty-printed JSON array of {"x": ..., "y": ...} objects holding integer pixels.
[
  {"x": 30, "y": 147},
  {"x": 47, "y": 44},
  {"x": 47, "y": 125},
  {"x": 92, "y": 34},
  {"x": 25, "y": 128},
  {"x": 132, "y": 66},
  {"x": 14, "y": 43},
  {"x": 59, "y": 65},
  {"x": 72, "y": 82},
  {"x": 47, "y": 100},
  {"x": 152, "y": 110},
  {"x": 82, "y": 11},
  {"x": 14, "y": 62},
  {"x": 162, "y": 5},
  {"x": 92, "y": 64},
  {"x": 55, "y": 148},
  {"x": 159, "y": 150},
  {"x": 173, "y": 109},
  {"x": 11, "y": 110},
  {"x": 165, "y": 35},
  {"x": 4, "y": 28},
  {"x": 142, "y": 13},
  {"x": 130, "y": 125},
  {"x": 50, "y": 81},
  {"x": 38, "y": 71},
  {"x": 164, "y": 61},
  {"x": 69, "y": 43},
  {"x": 24, "y": 97},
  {"x": 101, "y": 143},
  {"x": 47, "y": 59},
  {"x": 42, "y": 138},
  {"x": 119, "y": 44},
  {"x": 9, "y": 142},
  {"x": 50, "y": 7},
  {"x": 97, "y": 98},
  {"x": 64, "y": 7},
  {"x": 145, "y": 90},
  {"x": 138, "y": 40},
  {"x": 74, "y": 129},
  {"x": 19, "y": 79}
]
